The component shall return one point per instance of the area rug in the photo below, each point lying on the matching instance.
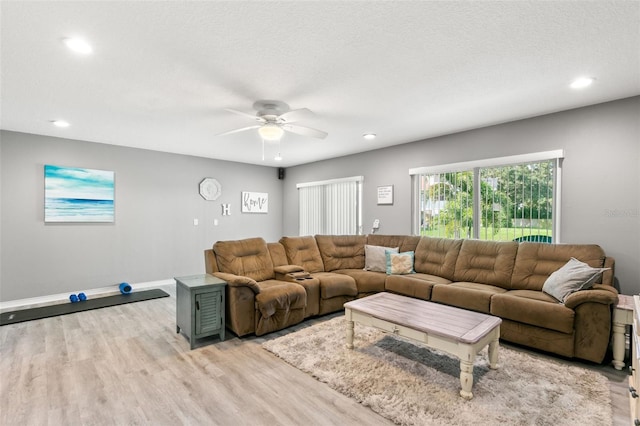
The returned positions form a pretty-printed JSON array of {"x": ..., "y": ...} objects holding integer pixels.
[{"x": 413, "y": 385}]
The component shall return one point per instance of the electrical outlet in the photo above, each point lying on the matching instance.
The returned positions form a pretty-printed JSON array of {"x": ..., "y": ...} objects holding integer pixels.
[{"x": 376, "y": 224}]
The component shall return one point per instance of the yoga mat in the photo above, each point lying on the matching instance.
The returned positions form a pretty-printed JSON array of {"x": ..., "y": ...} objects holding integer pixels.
[{"x": 14, "y": 317}]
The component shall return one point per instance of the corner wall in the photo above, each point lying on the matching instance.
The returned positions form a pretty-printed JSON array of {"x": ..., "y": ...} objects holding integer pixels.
[
  {"x": 600, "y": 180},
  {"x": 153, "y": 237}
]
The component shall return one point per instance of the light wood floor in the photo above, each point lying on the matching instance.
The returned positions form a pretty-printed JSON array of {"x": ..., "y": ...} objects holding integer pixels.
[{"x": 126, "y": 365}]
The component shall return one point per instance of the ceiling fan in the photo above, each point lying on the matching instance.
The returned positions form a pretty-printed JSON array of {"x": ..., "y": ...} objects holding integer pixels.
[{"x": 274, "y": 118}]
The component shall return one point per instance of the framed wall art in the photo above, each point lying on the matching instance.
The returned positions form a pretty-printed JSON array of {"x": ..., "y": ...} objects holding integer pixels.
[
  {"x": 385, "y": 195},
  {"x": 210, "y": 189},
  {"x": 255, "y": 202},
  {"x": 74, "y": 194}
]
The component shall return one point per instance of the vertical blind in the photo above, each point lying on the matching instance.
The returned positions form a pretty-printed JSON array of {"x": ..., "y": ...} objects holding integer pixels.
[{"x": 330, "y": 207}]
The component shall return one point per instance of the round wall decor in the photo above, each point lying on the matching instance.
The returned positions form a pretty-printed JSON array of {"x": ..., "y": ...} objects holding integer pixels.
[{"x": 210, "y": 189}]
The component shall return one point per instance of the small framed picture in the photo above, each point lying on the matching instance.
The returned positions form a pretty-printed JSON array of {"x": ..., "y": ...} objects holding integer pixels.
[
  {"x": 385, "y": 195},
  {"x": 255, "y": 202}
]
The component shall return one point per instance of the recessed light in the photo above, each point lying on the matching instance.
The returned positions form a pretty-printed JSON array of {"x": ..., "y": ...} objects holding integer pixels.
[
  {"x": 78, "y": 45},
  {"x": 60, "y": 123},
  {"x": 369, "y": 136},
  {"x": 582, "y": 82}
]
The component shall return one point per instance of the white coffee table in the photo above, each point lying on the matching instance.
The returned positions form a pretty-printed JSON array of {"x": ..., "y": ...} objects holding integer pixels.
[{"x": 456, "y": 331}]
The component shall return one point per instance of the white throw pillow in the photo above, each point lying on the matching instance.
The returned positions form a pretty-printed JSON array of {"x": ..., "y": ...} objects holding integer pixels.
[
  {"x": 375, "y": 259},
  {"x": 572, "y": 277}
]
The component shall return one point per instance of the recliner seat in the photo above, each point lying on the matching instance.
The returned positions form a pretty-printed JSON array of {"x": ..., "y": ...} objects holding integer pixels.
[{"x": 258, "y": 303}]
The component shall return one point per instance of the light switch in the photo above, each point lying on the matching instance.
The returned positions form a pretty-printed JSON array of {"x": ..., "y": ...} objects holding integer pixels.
[
  {"x": 195, "y": 222},
  {"x": 215, "y": 222}
]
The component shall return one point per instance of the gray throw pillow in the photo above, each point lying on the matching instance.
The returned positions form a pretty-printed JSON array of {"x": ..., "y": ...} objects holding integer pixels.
[
  {"x": 375, "y": 259},
  {"x": 572, "y": 277}
]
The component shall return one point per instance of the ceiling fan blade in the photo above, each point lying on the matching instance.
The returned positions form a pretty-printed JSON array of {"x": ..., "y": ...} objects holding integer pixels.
[
  {"x": 305, "y": 131},
  {"x": 238, "y": 130},
  {"x": 246, "y": 114},
  {"x": 295, "y": 115}
]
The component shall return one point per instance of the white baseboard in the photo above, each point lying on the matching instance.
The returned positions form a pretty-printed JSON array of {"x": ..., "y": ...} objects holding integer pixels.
[{"x": 56, "y": 299}]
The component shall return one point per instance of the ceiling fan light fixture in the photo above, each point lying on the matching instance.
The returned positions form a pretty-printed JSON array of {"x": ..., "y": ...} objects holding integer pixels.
[{"x": 271, "y": 132}]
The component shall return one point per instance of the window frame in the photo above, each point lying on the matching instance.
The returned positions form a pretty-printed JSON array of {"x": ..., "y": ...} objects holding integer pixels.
[{"x": 475, "y": 166}]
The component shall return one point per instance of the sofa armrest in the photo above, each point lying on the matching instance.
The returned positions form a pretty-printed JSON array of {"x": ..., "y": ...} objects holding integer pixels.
[
  {"x": 287, "y": 269},
  {"x": 608, "y": 276},
  {"x": 238, "y": 281},
  {"x": 604, "y": 294},
  {"x": 290, "y": 273}
]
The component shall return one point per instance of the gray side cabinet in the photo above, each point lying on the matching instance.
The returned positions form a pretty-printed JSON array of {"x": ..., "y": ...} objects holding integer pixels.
[{"x": 200, "y": 306}]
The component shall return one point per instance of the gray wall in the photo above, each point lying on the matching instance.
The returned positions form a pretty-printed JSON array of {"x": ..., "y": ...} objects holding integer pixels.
[
  {"x": 153, "y": 237},
  {"x": 600, "y": 188}
]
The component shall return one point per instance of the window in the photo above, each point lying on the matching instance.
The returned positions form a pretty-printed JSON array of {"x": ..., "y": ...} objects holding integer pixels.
[
  {"x": 332, "y": 207},
  {"x": 502, "y": 199}
]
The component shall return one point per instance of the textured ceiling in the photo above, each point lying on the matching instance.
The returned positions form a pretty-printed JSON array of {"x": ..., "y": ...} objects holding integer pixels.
[{"x": 162, "y": 73}]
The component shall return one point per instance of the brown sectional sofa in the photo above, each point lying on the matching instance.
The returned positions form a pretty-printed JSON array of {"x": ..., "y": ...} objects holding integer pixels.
[{"x": 274, "y": 285}]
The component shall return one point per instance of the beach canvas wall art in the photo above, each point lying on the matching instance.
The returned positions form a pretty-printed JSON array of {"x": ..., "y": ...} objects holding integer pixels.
[{"x": 78, "y": 195}]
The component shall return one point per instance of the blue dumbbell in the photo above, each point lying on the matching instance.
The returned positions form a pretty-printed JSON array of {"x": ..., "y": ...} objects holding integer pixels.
[
  {"x": 82, "y": 297},
  {"x": 73, "y": 298}
]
